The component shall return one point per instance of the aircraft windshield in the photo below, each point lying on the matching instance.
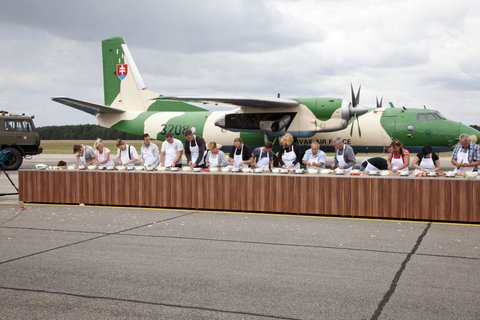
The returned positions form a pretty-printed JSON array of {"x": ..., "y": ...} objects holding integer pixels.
[{"x": 432, "y": 115}]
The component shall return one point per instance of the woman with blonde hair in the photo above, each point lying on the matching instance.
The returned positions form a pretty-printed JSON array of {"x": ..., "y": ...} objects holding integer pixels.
[
  {"x": 102, "y": 153},
  {"x": 214, "y": 157},
  {"x": 289, "y": 156}
]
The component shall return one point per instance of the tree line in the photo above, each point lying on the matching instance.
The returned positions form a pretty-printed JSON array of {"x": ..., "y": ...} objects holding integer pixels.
[{"x": 82, "y": 132}]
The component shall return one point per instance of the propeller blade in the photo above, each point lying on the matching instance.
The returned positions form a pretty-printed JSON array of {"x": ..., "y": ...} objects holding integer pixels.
[
  {"x": 357, "y": 97},
  {"x": 353, "y": 122},
  {"x": 353, "y": 95},
  {"x": 379, "y": 104},
  {"x": 358, "y": 126}
]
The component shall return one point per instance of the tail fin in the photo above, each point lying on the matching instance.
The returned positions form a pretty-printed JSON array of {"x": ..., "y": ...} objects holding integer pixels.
[{"x": 123, "y": 85}]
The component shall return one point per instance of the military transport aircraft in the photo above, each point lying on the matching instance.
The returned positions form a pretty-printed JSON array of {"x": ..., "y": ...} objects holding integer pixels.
[{"x": 130, "y": 107}]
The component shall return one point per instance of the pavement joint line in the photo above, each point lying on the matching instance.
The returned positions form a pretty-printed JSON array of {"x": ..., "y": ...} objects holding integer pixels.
[
  {"x": 237, "y": 241},
  {"x": 333, "y": 217},
  {"x": 398, "y": 275},
  {"x": 171, "y": 305},
  {"x": 90, "y": 239}
]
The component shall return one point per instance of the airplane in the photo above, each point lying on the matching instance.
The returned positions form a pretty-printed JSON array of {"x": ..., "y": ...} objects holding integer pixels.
[{"x": 132, "y": 108}]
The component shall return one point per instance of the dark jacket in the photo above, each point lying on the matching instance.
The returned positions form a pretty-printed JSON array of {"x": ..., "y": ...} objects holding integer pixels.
[
  {"x": 198, "y": 141},
  {"x": 297, "y": 151}
]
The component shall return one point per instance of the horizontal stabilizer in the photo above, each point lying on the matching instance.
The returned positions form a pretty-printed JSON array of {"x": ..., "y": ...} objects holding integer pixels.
[
  {"x": 87, "y": 107},
  {"x": 241, "y": 102}
]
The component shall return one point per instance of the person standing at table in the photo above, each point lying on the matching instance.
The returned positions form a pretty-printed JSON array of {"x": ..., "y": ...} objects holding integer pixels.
[
  {"x": 214, "y": 157},
  {"x": 466, "y": 155},
  {"x": 102, "y": 154},
  {"x": 126, "y": 154},
  {"x": 289, "y": 156},
  {"x": 240, "y": 156},
  {"x": 427, "y": 160},
  {"x": 85, "y": 154},
  {"x": 171, "y": 152},
  {"x": 314, "y": 158},
  {"x": 264, "y": 156},
  {"x": 344, "y": 155},
  {"x": 194, "y": 147},
  {"x": 374, "y": 164},
  {"x": 399, "y": 158},
  {"x": 149, "y": 152}
]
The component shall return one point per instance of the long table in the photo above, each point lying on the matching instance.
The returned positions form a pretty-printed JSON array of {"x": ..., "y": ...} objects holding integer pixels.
[{"x": 432, "y": 199}]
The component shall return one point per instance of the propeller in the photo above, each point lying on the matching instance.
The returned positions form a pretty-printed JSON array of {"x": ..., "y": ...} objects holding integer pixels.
[
  {"x": 379, "y": 104},
  {"x": 355, "y": 109}
]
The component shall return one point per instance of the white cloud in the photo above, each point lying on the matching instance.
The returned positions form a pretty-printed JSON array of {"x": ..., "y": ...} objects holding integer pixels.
[{"x": 411, "y": 52}]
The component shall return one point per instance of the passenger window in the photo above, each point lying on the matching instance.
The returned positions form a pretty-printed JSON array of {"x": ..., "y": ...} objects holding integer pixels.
[
  {"x": 23, "y": 126},
  {"x": 421, "y": 116},
  {"x": 431, "y": 116},
  {"x": 9, "y": 125}
]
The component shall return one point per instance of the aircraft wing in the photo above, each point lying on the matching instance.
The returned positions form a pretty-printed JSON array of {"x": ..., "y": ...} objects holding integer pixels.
[
  {"x": 241, "y": 102},
  {"x": 87, "y": 107}
]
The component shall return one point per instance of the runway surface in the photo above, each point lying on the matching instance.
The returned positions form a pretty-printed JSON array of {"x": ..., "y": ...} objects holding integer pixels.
[{"x": 80, "y": 262}]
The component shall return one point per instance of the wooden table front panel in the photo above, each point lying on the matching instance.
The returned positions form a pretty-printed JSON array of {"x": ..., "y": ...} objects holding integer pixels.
[{"x": 438, "y": 199}]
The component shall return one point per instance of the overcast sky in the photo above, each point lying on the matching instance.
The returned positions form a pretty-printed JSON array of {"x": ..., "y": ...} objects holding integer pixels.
[{"x": 412, "y": 53}]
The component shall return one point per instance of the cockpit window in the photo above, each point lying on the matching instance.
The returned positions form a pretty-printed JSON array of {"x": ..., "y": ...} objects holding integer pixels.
[{"x": 432, "y": 115}]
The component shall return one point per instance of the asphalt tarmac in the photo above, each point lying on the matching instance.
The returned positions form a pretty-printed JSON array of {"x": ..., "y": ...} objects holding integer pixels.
[{"x": 81, "y": 262}]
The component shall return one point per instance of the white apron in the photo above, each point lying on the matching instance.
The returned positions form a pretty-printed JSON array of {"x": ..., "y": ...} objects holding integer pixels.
[
  {"x": 462, "y": 157},
  {"x": 397, "y": 163},
  {"x": 263, "y": 163},
  {"x": 314, "y": 158},
  {"x": 101, "y": 157},
  {"x": 195, "y": 153},
  {"x": 427, "y": 164},
  {"x": 237, "y": 160},
  {"x": 288, "y": 158},
  {"x": 213, "y": 159},
  {"x": 341, "y": 159}
]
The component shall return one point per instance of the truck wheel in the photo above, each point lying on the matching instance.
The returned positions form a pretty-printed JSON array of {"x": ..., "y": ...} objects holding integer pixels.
[{"x": 15, "y": 160}]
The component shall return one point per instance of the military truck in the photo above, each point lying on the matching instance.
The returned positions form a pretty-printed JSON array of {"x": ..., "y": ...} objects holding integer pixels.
[{"x": 19, "y": 136}]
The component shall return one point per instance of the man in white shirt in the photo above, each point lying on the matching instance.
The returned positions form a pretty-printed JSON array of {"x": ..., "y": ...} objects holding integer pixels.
[
  {"x": 126, "y": 154},
  {"x": 171, "y": 152},
  {"x": 314, "y": 158},
  {"x": 150, "y": 154}
]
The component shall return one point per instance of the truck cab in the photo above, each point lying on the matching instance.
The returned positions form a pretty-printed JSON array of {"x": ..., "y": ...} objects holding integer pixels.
[{"x": 19, "y": 136}]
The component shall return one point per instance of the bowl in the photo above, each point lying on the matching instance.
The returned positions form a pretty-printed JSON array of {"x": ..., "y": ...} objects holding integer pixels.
[
  {"x": 226, "y": 169},
  {"x": 92, "y": 167},
  {"x": 41, "y": 166},
  {"x": 384, "y": 172},
  {"x": 276, "y": 170},
  {"x": 187, "y": 168},
  {"x": 404, "y": 173},
  {"x": 130, "y": 168},
  {"x": 283, "y": 171},
  {"x": 312, "y": 171},
  {"x": 102, "y": 167},
  {"x": 174, "y": 169},
  {"x": 325, "y": 171},
  {"x": 450, "y": 174},
  {"x": 82, "y": 167},
  {"x": 121, "y": 168},
  {"x": 374, "y": 173},
  {"x": 139, "y": 168},
  {"x": 197, "y": 169},
  {"x": 71, "y": 167},
  {"x": 110, "y": 167},
  {"x": 471, "y": 174},
  {"x": 214, "y": 169},
  {"x": 161, "y": 168},
  {"x": 235, "y": 169},
  {"x": 298, "y": 171},
  {"x": 149, "y": 168},
  {"x": 258, "y": 170},
  {"x": 247, "y": 170},
  {"x": 432, "y": 174},
  {"x": 340, "y": 171}
]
